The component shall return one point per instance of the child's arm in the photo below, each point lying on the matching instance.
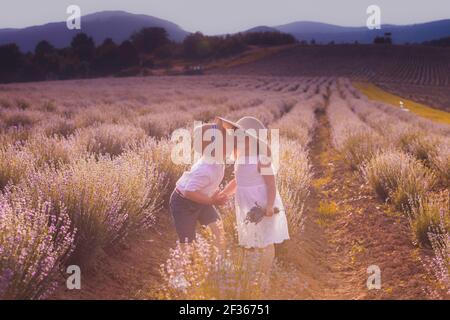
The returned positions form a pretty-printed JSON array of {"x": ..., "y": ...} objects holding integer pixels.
[
  {"x": 199, "y": 180},
  {"x": 215, "y": 199},
  {"x": 270, "y": 181},
  {"x": 230, "y": 188},
  {"x": 271, "y": 193}
]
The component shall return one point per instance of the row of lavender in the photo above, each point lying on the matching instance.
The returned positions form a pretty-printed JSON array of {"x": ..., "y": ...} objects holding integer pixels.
[
  {"x": 198, "y": 273},
  {"x": 405, "y": 159},
  {"x": 85, "y": 163}
]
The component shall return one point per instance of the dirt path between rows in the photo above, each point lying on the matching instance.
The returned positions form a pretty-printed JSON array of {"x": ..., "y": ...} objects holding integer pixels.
[{"x": 346, "y": 230}]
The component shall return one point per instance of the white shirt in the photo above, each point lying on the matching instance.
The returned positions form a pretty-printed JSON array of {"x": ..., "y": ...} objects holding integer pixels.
[{"x": 204, "y": 177}]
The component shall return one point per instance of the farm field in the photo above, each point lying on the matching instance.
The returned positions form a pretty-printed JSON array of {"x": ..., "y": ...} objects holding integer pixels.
[
  {"x": 419, "y": 73},
  {"x": 375, "y": 93},
  {"x": 85, "y": 175}
]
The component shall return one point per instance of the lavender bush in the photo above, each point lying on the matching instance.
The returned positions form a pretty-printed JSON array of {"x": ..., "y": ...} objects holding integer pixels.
[
  {"x": 105, "y": 199},
  {"x": 35, "y": 241},
  {"x": 439, "y": 264}
]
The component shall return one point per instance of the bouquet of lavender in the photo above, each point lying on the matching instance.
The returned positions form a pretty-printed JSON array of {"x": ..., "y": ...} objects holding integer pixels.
[{"x": 257, "y": 213}]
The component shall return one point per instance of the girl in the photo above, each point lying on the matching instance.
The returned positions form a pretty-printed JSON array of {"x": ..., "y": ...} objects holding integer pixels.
[{"x": 254, "y": 185}]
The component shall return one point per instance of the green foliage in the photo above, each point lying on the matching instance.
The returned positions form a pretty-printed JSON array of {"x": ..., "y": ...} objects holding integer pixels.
[
  {"x": 10, "y": 60},
  {"x": 429, "y": 217},
  {"x": 83, "y": 59},
  {"x": 147, "y": 40},
  {"x": 83, "y": 46},
  {"x": 397, "y": 177}
]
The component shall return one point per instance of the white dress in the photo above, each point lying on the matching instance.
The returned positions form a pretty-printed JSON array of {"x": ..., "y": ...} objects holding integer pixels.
[{"x": 252, "y": 189}]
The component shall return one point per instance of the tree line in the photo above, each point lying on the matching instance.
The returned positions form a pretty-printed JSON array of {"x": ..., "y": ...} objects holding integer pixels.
[
  {"x": 147, "y": 48},
  {"x": 442, "y": 42}
]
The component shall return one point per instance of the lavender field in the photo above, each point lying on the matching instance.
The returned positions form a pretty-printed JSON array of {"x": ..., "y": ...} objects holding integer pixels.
[{"x": 85, "y": 166}]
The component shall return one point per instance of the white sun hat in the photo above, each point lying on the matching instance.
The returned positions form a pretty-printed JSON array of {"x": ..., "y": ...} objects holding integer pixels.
[
  {"x": 249, "y": 125},
  {"x": 245, "y": 123}
]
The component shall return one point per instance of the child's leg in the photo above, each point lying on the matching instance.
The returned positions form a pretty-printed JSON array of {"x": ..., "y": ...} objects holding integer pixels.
[{"x": 185, "y": 214}]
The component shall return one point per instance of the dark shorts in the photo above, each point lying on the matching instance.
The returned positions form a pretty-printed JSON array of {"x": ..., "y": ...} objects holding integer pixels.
[{"x": 186, "y": 213}]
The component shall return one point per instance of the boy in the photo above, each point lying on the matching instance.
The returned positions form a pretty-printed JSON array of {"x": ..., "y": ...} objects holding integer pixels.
[{"x": 197, "y": 191}]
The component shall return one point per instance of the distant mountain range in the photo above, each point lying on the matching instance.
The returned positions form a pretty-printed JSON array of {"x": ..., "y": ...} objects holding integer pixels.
[
  {"x": 119, "y": 25},
  {"x": 324, "y": 33}
]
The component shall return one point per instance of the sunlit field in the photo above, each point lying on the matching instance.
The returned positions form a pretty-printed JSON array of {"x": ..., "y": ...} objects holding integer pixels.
[{"x": 85, "y": 166}]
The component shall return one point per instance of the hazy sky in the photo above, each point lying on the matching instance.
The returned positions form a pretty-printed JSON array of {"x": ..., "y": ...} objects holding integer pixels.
[{"x": 222, "y": 16}]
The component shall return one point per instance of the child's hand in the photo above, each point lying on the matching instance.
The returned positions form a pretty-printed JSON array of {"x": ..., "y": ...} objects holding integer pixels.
[
  {"x": 219, "y": 198},
  {"x": 269, "y": 211}
]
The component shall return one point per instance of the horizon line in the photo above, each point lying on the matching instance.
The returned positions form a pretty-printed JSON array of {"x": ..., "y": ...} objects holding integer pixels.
[{"x": 256, "y": 26}]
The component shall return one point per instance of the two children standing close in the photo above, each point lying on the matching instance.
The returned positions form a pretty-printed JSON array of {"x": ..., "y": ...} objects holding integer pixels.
[{"x": 254, "y": 186}]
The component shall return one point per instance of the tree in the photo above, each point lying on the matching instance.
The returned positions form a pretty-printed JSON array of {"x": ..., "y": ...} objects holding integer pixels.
[
  {"x": 106, "y": 57},
  {"x": 10, "y": 61},
  {"x": 30, "y": 70},
  {"x": 166, "y": 51},
  {"x": 44, "y": 47},
  {"x": 10, "y": 57},
  {"x": 268, "y": 38},
  {"x": 386, "y": 39},
  {"x": 83, "y": 47},
  {"x": 196, "y": 46},
  {"x": 128, "y": 56},
  {"x": 229, "y": 45},
  {"x": 45, "y": 60},
  {"x": 147, "y": 40},
  {"x": 442, "y": 42}
]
